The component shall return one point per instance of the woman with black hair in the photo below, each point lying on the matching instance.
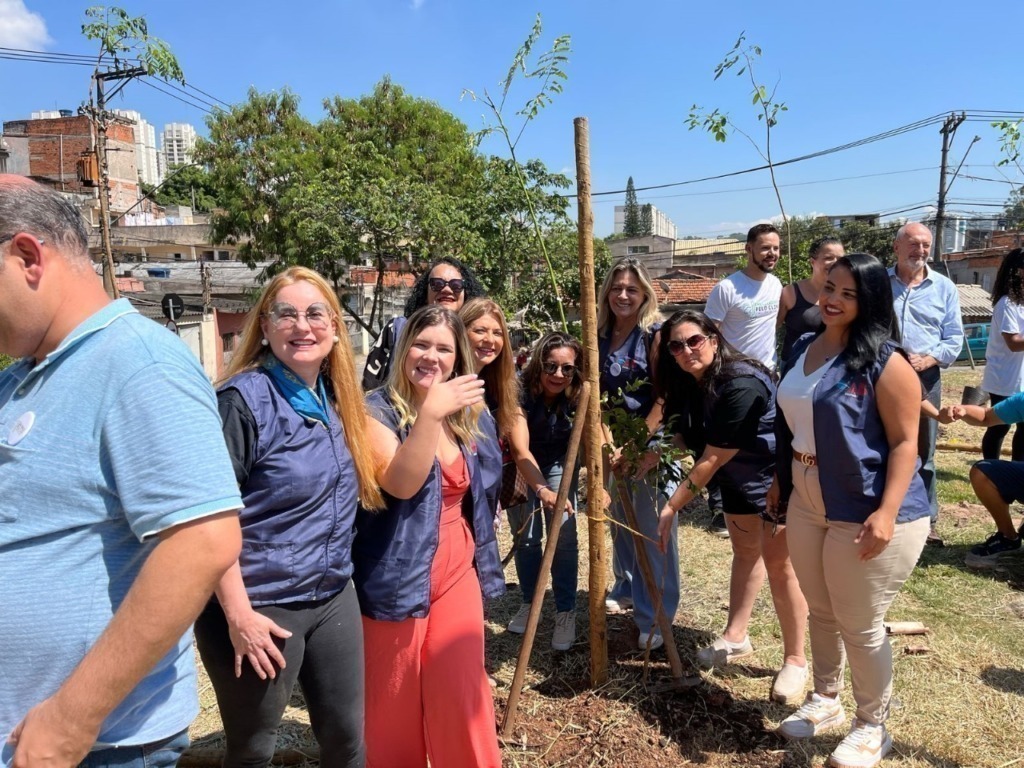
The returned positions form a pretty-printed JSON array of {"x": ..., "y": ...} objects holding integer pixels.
[
  {"x": 448, "y": 283},
  {"x": 798, "y": 305},
  {"x": 721, "y": 404},
  {"x": 552, "y": 382},
  {"x": 1004, "y": 355},
  {"x": 858, "y": 513}
]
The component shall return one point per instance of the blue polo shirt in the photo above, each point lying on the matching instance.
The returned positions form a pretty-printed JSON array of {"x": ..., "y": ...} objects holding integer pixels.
[
  {"x": 929, "y": 316},
  {"x": 109, "y": 440},
  {"x": 1011, "y": 410}
]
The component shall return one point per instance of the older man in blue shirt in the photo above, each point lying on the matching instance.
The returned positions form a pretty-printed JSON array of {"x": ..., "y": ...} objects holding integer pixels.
[{"x": 928, "y": 310}]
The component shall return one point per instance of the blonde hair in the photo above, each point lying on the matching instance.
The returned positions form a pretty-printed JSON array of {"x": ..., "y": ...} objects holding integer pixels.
[
  {"x": 464, "y": 422},
  {"x": 649, "y": 312},
  {"x": 338, "y": 370},
  {"x": 500, "y": 380}
]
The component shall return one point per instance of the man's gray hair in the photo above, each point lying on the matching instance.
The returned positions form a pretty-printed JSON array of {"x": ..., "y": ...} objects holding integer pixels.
[{"x": 29, "y": 207}]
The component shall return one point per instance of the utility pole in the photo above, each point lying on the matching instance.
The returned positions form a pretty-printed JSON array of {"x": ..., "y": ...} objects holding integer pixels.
[
  {"x": 948, "y": 129},
  {"x": 100, "y": 116}
]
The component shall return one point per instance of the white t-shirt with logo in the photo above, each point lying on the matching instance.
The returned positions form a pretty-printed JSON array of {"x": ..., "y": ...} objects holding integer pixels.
[
  {"x": 1004, "y": 369},
  {"x": 746, "y": 311}
]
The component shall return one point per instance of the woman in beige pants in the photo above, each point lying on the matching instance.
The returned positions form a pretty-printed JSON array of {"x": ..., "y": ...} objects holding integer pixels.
[{"x": 858, "y": 513}]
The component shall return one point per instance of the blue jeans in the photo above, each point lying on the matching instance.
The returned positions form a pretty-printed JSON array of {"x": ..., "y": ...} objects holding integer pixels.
[
  {"x": 629, "y": 582},
  {"x": 931, "y": 380},
  {"x": 529, "y": 553},
  {"x": 156, "y": 754}
]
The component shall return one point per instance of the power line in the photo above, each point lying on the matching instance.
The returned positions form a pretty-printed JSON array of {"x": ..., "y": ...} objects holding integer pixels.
[{"x": 175, "y": 96}]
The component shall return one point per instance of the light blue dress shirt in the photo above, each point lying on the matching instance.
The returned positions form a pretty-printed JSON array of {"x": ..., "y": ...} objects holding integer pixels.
[{"x": 929, "y": 316}]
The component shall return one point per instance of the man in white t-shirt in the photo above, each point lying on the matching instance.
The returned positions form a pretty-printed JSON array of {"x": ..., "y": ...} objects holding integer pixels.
[{"x": 745, "y": 304}]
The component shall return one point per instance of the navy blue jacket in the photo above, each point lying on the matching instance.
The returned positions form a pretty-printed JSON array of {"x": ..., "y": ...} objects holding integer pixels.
[
  {"x": 853, "y": 450},
  {"x": 394, "y": 548},
  {"x": 300, "y": 500}
]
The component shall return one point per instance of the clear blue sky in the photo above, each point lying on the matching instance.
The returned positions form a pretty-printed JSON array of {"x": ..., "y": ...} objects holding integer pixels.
[{"x": 846, "y": 71}]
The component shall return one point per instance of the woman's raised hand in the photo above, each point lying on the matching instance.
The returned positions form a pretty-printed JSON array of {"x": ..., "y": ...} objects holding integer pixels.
[{"x": 447, "y": 397}]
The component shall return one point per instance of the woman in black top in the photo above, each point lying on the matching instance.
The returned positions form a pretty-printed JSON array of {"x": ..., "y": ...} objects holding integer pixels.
[
  {"x": 798, "y": 307},
  {"x": 722, "y": 406}
]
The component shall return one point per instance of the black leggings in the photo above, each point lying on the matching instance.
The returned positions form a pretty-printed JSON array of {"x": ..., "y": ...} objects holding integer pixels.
[
  {"x": 992, "y": 441},
  {"x": 324, "y": 654}
]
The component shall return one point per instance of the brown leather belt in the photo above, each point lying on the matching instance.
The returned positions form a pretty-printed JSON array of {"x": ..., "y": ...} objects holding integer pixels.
[{"x": 805, "y": 458}]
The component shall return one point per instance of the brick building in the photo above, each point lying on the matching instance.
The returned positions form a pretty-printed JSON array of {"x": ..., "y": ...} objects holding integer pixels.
[
  {"x": 979, "y": 267},
  {"x": 48, "y": 150}
]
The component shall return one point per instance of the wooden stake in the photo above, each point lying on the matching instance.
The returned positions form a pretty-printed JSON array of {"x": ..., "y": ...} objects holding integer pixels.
[
  {"x": 508, "y": 723},
  {"x": 640, "y": 546},
  {"x": 595, "y": 473}
]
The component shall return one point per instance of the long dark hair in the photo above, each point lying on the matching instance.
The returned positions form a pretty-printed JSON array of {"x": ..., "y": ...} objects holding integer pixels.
[
  {"x": 1009, "y": 280},
  {"x": 677, "y": 386},
  {"x": 471, "y": 286},
  {"x": 875, "y": 323},
  {"x": 533, "y": 369}
]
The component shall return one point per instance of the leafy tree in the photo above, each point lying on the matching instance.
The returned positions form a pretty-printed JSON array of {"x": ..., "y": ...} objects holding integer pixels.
[
  {"x": 1014, "y": 211},
  {"x": 189, "y": 185},
  {"x": 631, "y": 221},
  {"x": 124, "y": 37},
  {"x": 257, "y": 152},
  {"x": 646, "y": 220}
]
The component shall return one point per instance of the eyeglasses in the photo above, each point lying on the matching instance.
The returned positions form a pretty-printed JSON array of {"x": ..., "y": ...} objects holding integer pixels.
[
  {"x": 695, "y": 342},
  {"x": 285, "y": 316},
  {"x": 437, "y": 284},
  {"x": 551, "y": 369}
]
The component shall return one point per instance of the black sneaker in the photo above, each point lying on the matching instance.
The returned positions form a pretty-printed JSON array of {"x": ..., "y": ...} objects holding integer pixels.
[
  {"x": 718, "y": 526},
  {"x": 934, "y": 540},
  {"x": 986, "y": 555}
]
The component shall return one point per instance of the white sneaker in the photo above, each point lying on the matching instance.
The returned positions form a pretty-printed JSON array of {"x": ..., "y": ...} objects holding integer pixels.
[
  {"x": 789, "y": 684},
  {"x": 618, "y": 604},
  {"x": 864, "y": 746},
  {"x": 656, "y": 640},
  {"x": 722, "y": 652},
  {"x": 518, "y": 623},
  {"x": 565, "y": 631},
  {"x": 816, "y": 714}
]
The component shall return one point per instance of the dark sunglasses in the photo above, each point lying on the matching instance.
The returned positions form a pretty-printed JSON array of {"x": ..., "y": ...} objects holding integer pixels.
[
  {"x": 552, "y": 368},
  {"x": 437, "y": 284},
  {"x": 695, "y": 342}
]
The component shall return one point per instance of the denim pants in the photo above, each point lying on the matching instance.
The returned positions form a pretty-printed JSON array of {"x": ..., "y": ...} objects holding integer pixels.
[
  {"x": 931, "y": 380},
  {"x": 528, "y": 524},
  {"x": 156, "y": 754},
  {"x": 629, "y": 582}
]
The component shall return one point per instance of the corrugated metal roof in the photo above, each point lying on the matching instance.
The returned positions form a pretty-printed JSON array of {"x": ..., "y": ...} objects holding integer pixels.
[{"x": 975, "y": 301}]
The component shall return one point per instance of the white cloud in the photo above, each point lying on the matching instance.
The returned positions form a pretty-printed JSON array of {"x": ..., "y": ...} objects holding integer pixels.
[{"x": 20, "y": 28}]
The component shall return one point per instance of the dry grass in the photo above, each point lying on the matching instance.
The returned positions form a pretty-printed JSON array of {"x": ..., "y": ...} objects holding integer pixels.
[{"x": 960, "y": 704}]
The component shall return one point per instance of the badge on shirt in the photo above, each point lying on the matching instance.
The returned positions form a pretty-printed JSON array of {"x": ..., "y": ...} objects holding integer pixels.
[
  {"x": 614, "y": 369},
  {"x": 21, "y": 428}
]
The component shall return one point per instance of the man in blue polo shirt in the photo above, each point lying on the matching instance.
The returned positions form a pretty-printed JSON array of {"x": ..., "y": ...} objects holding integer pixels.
[
  {"x": 118, "y": 505},
  {"x": 997, "y": 483},
  {"x": 928, "y": 311}
]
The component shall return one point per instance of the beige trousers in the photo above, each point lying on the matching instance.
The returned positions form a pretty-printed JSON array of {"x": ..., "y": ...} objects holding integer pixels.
[{"x": 848, "y": 598}]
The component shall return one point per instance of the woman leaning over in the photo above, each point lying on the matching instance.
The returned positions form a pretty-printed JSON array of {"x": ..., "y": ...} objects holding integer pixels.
[
  {"x": 722, "y": 406},
  {"x": 798, "y": 306},
  {"x": 297, "y": 433},
  {"x": 423, "y": 564},
  {"x": 626, "y": 319},
  {"x": 552, "y": 382},
  {"x": 858, "y": 513}
]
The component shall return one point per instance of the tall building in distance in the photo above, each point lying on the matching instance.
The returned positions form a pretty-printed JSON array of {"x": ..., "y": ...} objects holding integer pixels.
[
  {"x": 661, "y": 225},
  {"x": 176, "y": 144},
  {"x": 145, "y": 147}
]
